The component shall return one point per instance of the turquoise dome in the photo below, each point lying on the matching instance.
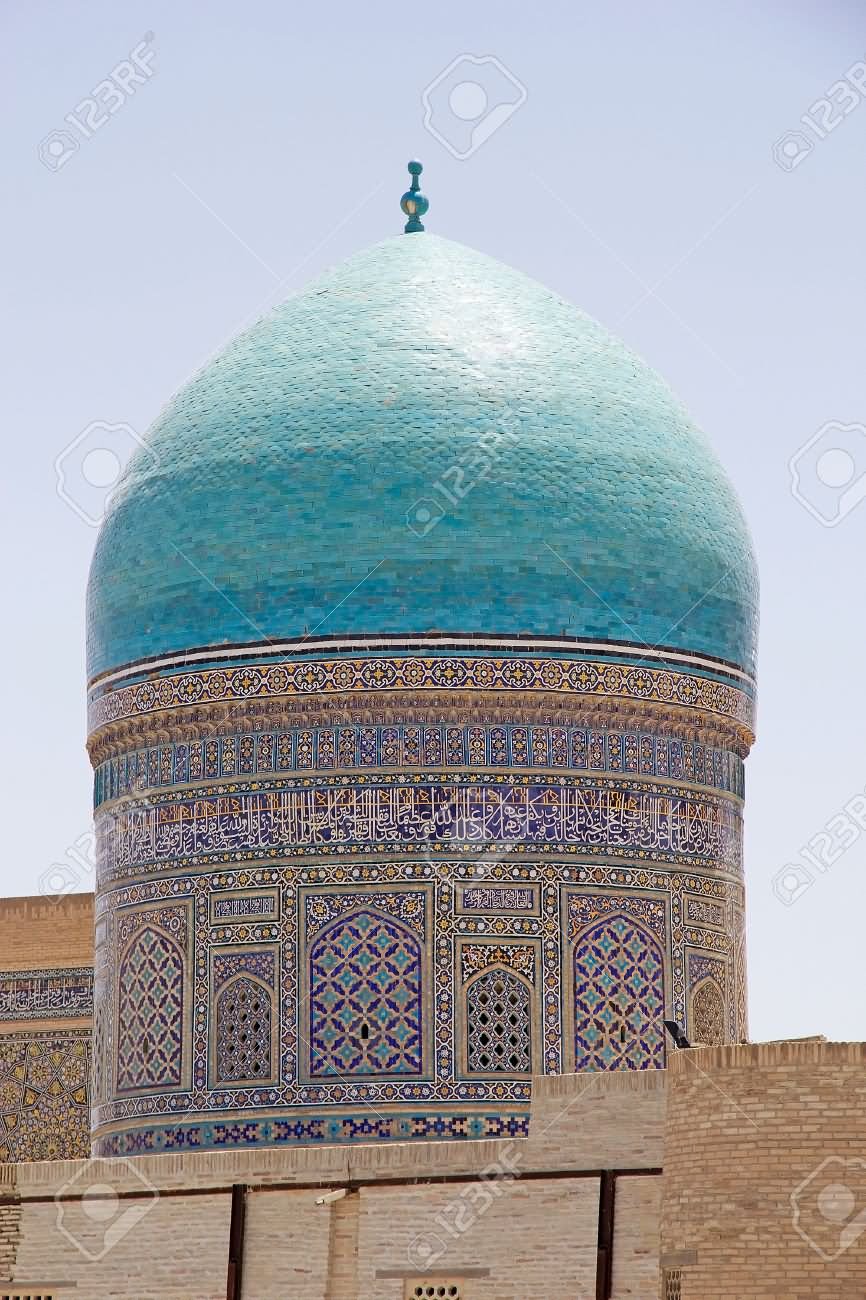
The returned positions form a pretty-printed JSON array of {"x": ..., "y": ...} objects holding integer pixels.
[{"x": 423, "y": 439}]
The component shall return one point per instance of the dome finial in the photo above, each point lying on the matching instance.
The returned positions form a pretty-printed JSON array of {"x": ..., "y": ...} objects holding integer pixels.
[{"x": 413, "y": 202}]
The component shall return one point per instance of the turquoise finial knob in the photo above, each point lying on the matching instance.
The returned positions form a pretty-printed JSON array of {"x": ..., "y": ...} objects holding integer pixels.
[{"x": 413, "y": 202}]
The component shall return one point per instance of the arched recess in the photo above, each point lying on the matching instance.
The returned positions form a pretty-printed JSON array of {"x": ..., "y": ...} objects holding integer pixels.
[
  {"x": 150, "y": 1012},
  {"x": 244, "y": 1031},
  {"x": 366, "y": 1004},
  {"x": 707, "y": 1013},
  {"x": 619, "y": 997},
  {"x": 498, "y": 1020}
]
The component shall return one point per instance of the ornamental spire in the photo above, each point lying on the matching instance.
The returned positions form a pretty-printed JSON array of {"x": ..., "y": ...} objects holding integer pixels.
[{"x": 413, "y": 202}]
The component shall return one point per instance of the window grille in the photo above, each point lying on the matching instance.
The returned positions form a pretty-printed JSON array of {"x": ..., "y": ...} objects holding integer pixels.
[
  {"x": 499, "y": 1024},
  {"x": 42, "y": 1295},
  {"x": 434, "y": 1290},
  {"x": 673, "y": 1280},
  {"x": 243, "y": 1032}
]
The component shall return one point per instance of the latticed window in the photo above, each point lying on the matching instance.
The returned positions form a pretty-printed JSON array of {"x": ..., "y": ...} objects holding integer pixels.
[
  {"x": 243, "y": 1031},
  {"x": 708, "y": 1014},
  {"x": 673, "y": 1284},
  {"x": 499, "y": 1024}
]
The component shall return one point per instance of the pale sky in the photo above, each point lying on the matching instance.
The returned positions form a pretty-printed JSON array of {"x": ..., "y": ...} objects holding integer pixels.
[{"x": 632, "y": 169}]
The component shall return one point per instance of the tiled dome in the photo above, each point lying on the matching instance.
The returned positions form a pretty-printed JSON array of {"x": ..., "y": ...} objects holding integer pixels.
[{"x": 290, "y": 488}]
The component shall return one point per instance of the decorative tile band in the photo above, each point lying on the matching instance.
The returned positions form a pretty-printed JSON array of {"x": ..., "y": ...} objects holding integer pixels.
[
  {"x": 407, "y": 746},
  {"x": 431, "y": 814},
  {"x": 58, "y": 993},
  {"x": 583, "y": 677},
  {"x": 314, "y": 1130}
]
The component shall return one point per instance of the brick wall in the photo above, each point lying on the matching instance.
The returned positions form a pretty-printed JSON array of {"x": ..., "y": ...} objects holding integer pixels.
[
  {"x": 39, "y": 931},
  {"x": 765, "y": 1172},
  {"x": 636, "y": 1238},
  {"x": 10, "y": 1233},
  {"x": 521, "y": 1241}
]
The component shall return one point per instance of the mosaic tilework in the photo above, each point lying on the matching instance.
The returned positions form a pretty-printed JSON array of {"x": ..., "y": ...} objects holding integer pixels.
[
  {"x": 54, "y": 994},
  {"x": 707, "y": 1017},
  {"x": 497, "y": 899},
  {"x": 475, "y": 957},
  {"x": 575, "y": 677},
  {"x": 291, "y": 818},
  {"x": 405, "y": 907},
  {"x": 150, "y": 1013},
  {"x": 245, "y": 961},
  {"x": 574, "y": 897},
  {"x": 44, "y": 1101},
  {"x": 619, "y": 997},
  {"x": 312, "y": 1130},
  {"x": 407, "y": 746},
  {"x": 318, "y": 432},
  {"x": 366, "y": 999}
]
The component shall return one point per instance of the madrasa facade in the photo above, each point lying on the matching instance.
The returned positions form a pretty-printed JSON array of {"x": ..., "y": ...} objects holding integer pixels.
[{"x": 421, "y": 656}]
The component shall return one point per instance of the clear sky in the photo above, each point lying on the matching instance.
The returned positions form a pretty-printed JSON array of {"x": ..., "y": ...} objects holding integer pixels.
[{"x": 629, "y": 163}]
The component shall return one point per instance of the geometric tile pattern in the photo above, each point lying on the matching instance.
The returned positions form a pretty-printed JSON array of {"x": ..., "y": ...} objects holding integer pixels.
[
  {"x": 243, "y": 1031},
  {"x": 619, "y": 997},
  {"x": 406, "y": 746},
  {"x": 44, "y": 1096},
  {"x": 365, "y": 1004},
  {"x": 498, "y": 1024},
  {"x": 150, "y": 1013},
  {"x": 582, "y": 677},
  {"x": 359, "y": 1124}
]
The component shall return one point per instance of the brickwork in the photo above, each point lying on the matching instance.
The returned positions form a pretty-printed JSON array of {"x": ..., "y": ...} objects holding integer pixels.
[
  {"x": 531, "y": 1241},
  {"x": 10, "y": 1234},
  {"x": 599, "y": 1120},
  {"x": 38, "y": 932},
  {"x": 287, "y": 1247},
  {"x": 343, "y": 1247},
  {"x": 165, "y": 1250},
  {"x": 636, "y": 1238},
  {"x": 765, "y": 1172}
]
